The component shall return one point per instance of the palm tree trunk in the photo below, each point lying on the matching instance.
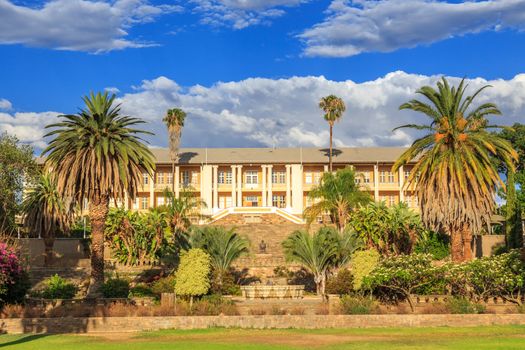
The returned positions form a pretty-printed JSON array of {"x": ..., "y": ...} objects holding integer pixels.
[
  {"x": 467, "y": 244},
  {"x": 48, "y": 250},
  {"x": 456, "y": 245},
  {"x": 98, "y": 211},
  {"x": 330, "y": 155},
  {"x": 173, "y": 176}
]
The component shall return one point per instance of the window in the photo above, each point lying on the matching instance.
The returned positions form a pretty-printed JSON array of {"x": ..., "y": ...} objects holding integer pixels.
[
  {"x": 144, "y": 203},
  {"x": 386, "y": 177},
  {"x": 391, "y": 177},
  {"x": 366, "y": 177},
  {"x": 392, "y": 201},
  {"x": 145, "y": 178},
  {"x": 225, "y": 202},
  {"x": 160, "y": 201},
  {"x": 194, "y": 177},
  {"x": 317, "y": 177},
  {"x": 185, "y": 178},
  {"x": 160, "y": 178},
  {"x": 407, "y": 174},
  {"x": 252, "y": 177},
  {"x": 382, "y": 177},
  {"x": 252, "y": 201},
  {"x": 278, "y": 201},
  {"x": 225, "y": 177},
  {"x": 308, "y": 178},
  {"x": 135, "y": 204},
  {"x": 169, "y": 178},
  {"x": 278, "y": 177}
]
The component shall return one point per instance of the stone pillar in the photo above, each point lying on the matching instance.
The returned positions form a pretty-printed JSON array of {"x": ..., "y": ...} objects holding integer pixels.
[
  {"x": 177, "y": 181},
  {"x": 152, "y": 191},
  {"x": 234, "y": 183},
  {"x": 376, "y": 182},
  {"x": 264, "y": 194},
  {"x": 215, "y": 187},
  {"x": 401, "y": 179},
  {"x": 297, "y": 192},
  {"x": 239, "y": 185},
  {"x": 325, "y": 169},
  {"x": 288, "y": 187},
  {"x": 270, "y": 184},
  {"x": 206, "y": 187}
]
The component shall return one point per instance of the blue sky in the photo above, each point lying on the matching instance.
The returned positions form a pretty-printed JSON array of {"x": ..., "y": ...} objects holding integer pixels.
[{"x": 255, "y": 68}]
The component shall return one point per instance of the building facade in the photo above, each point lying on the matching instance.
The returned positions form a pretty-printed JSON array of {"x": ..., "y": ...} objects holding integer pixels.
[{"x": 266, "y": 180}]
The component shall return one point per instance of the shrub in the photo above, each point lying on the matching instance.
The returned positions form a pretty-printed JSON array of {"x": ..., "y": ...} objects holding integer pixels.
[
  {"x": 435, "y": 244},
  {"x": 115, "y": 288},
  {"x": 225, "y": 285},
  {"x": 14, "y": 281},
  {"x": 57, "y": 287},
  {"x": 461, "y": 305},
  {"x": 193, "y": 274},
  {"x": 140, "y": 291},
  {"x": 341, "y": 284},
  {"x": 362, "y": 263},
  {"x": 357, "y": 305},
  {"x": 164, "y": 285}
]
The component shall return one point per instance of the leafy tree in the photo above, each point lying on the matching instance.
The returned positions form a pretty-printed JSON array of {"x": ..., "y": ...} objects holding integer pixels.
[
  {"x": 174, "y": 121},
  {"x": 338, "y": 195},
  {"x": 456, "y": 178},
  {"x": 333, "y": 107},
  {"x": 362, "y": 264},
  {"x": 16, "y": 167},
  {"x": 46, "y": 212},
  {"x": 319, "y": 253},
  {"x": 96, "y": 155},
  {"x": 181, "y": 211},
  {"x": 193, "y": 275},
  {"x": 389, "y": 230},
  {"x": 222, "y": 245}
]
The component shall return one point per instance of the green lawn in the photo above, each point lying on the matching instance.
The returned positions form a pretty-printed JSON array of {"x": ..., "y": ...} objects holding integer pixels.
[{"x": 479, "y": 338}]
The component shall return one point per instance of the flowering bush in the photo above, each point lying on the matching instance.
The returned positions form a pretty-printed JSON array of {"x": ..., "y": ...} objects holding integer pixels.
[{"x": 14, "y": 281}]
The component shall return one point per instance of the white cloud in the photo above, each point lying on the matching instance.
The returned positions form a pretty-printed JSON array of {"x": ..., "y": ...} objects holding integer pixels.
[
  {"x": 5, "y": 104},
  {"x": 241, "y": 13},
  {"x": 112, "y": 90},
  {"x": 78, "y": 25},
  {"x": 261, "y": 112},
  {"x": 353, "y": 27}
]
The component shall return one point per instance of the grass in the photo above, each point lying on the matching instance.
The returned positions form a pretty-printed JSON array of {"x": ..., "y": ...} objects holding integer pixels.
[{"x": 479, "y": 338}]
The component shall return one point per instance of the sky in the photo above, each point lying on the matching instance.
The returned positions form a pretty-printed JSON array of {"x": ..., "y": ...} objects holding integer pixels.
[{"x": 250, "y": 73}]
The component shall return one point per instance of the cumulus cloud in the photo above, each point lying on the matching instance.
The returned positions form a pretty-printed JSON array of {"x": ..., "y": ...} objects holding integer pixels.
[
  {"x": 353, "y": 27},
  {"x": 241, "y": 13},
  {"x": 78, "y": 25},
  {"x": 5, "y": 104},
  {"x": 261, "y": 112}
]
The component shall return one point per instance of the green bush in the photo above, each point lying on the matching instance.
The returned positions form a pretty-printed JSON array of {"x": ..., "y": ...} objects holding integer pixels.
[
  {"x": 164, "y": 285},
  {"x": 357, "y": 305},
  {"x": 225, "y": 285},
  {"x": 435, "y": 244},
  {"x": 115, "y": 288},
  {"x": 362, "y": 264},
  {"x": 342, "y": 283},
  {"x": 57, "y": 287},
  {"x": 141, "y": 291},
  {"x": 461, "y": 305},
  {"x": 193, "y": 274}
]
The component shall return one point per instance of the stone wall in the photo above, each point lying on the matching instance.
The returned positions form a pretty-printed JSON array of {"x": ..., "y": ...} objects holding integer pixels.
[{"x": 135, "y": 324}]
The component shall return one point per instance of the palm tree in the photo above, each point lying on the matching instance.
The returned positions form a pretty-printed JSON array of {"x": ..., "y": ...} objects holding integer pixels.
[
  {"x": 456, "y": 178},
  {"x": 337, "y": 194},
  {"x": 46, "y": 212},
  {"x": 174, "y": 120},
  {"x": 96, "y": 155},
  {"x": 333, "y": 107},
  {"x": 319, "y": 253},
  {"x": 223, "y": 246}
]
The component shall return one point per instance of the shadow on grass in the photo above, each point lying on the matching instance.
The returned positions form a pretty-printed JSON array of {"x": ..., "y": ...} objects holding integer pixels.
[{"x": 22, "y": 340}]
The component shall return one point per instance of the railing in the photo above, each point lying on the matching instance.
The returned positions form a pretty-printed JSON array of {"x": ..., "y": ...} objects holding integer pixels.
[{"x": 256, "y": 210}]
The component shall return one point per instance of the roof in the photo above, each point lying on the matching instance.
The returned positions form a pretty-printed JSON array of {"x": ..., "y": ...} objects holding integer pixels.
[{"x": 342, "y": 155}]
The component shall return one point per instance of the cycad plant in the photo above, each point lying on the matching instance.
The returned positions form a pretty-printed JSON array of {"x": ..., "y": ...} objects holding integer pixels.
[
  {"x": 98, "y": 155},
  {"x": 174, "y": 121},
  {"x": 456, "y": 175},
  {"x": 333, "y": 108}
]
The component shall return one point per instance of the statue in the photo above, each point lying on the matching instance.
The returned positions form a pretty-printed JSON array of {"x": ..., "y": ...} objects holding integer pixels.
[{"x": 262, "y": 247}]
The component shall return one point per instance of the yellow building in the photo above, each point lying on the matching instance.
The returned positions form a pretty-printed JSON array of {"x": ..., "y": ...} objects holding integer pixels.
[{"x": 269, "y": 180}]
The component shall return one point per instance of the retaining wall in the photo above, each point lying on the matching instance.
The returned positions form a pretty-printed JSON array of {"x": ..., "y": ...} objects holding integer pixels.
[{"x": 135, "y": 324}]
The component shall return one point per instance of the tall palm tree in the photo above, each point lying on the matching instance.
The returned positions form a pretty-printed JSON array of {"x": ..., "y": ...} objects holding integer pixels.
[
  {"x": 174, "y": 121},
  {"x": 96, "y": 155},
  {"x": 333, "y": 108},
  {"x": 337, "y": 194},
  {"x": 456, "y": 178},
  {"x": 46, "y": 212}
]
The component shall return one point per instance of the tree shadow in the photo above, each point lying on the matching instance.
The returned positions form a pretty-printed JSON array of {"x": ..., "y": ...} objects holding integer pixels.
[
  {"x": 22, "y": 340},
  {"x": 335, "y": 152},
  {"x": 185, "y": 157}
]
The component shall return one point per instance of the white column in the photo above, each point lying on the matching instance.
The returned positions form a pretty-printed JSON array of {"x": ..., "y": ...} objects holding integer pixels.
[
  {"x": 264, "y": 200},
  {"x": 234, "y": 189},
  {"x": 215, "y": 187},
  {"x": 206, "y": 187},
  {"x": 177, "y": 181},
  {"x": 297, "y": 191},
  {"x": 152, "y": 191},
  {"x": 239, "y": 185},
  {"x": 401, "y": 176},
  {"x": 376, "y": 182},
  {"x": 288, "y": 187},
  {"x": 270, "y": 183},
  {"x": 325, "y": 168}
]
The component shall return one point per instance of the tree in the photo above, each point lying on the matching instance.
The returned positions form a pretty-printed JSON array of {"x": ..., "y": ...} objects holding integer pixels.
[
  {"x": 320, "y": 252},
  {"x": 174, "y": 121},
  {"x": 454, "y": 174},
  {"x": 333, "y": 108},
  {"x": 46, "y": 212},
  {"x": 222, "y": 245},
  {"x": 17, "y": 169},
  {"x": 96, "y": 155},
  {"x": 193, "y": 275},
  {"x": 337, "y": 194}
]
